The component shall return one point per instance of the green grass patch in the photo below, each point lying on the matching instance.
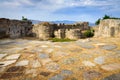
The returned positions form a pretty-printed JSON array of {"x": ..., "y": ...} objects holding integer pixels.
[{"x": 61, "y": 40}]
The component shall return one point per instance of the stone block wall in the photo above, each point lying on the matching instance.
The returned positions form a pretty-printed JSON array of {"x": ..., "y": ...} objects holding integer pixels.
[
  {"x": 46, "y": 30},
  {"x": 15, "y": 28},
  {"x": 43, "y": 32},
  {"x": 60, "y": 33},
  {"x": 73, "y": 34},
  {"x": 108, "y": 28}
]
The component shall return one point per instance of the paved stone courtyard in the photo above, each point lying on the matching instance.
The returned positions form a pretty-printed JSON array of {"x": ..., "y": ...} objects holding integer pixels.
[{"x": 94, "y": 59}]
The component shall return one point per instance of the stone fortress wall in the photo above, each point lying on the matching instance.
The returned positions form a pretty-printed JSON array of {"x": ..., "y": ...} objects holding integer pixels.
[
  {"x": 14, "y": 28},
  {"x": 108, "y": 28},
  {"x": 44, "y": 31},
  {"x": 47, "y": 30}
]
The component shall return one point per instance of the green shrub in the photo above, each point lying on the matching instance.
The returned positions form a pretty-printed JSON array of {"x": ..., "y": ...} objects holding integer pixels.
[
  {"x": 97, "y": 22},
  {"x": 89, "y": 33},
  {"x": 61, "y": 40},
  {"x": 24, "y": 19}
]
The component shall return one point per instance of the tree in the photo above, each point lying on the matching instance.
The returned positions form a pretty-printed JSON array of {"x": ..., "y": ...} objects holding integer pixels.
[
  {"x": 98, "y": 21},
  {"x": 106, "y": 17},
  {"x": 24, "y": 19}
]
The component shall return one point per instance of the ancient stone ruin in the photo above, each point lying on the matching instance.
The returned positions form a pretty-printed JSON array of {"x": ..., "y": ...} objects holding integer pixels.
[
  {"x": 47, "y": 30},
  {"x": 14, "y": 28},
  {"x": 108, "y": 28},
  {"x": 44, "y": 31}
]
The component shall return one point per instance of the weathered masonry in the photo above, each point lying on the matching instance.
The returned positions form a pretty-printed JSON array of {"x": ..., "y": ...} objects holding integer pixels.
[
  {"x": 14, "y": 28},
  {"x": 47, "y": 30},
  {"x": 44, "y": 31},
  {"x": 108, "y": 28}
]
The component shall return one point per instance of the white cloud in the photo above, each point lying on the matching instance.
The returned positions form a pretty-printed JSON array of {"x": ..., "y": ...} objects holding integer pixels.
[
  {"x": 52, "y": 5},
  {"x": 16, "y": 3},
  {"x": 45, "y": 9}
]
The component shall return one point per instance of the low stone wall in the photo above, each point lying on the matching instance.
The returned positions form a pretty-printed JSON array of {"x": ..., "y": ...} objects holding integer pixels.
[
  {"x": 73, "y": 34},
  {"x": 108, "y": 28}
]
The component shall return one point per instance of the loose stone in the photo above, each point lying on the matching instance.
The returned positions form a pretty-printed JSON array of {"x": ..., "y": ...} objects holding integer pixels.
[
  {"x": 52, "y": 67},
  {"x": 35, "y": 64},
  {"x": 88, "y": 63},
  {"x": 2, "y": 55},
  {"x": 99, "y": 60},
  {"x": 60, "y": 54},
  {"x": 90, "y": 75},
  {"x": 22, "y": 63},
  {"x": 113, "y": 77},
  {"x": 66, "y": 72},
  {"x": 13, "y": 56},
  {"x": 111, "y": 67},
  {"x": 57, "y": 77},
  {"x": 69, "y": 61},
  {"x": 117, "y": 51},
  {"x": 43, "y": 55},
  {"x": 45, "y": 61},
  {"x": 109, "y": 47},
  {"x": 85, "y": 45},
  {"x": 29, "y": 71},
  {"x": 6, "y": 63}
]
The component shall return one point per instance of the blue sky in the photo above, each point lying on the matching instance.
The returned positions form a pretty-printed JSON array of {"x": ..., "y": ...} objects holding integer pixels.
[{"x": 51, "y": 10}]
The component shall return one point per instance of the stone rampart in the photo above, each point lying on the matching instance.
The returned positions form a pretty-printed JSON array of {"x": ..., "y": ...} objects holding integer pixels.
[{"x": 14, "y": 28}]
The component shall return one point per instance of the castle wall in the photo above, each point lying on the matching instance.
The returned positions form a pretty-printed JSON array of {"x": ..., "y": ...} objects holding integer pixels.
[
  {"x": 14, "y": 28},
  {"x": 43, "y": 32},
  {"x": 60, "y": 33},
  {"x": 73, "y": 33},
  {"x": 46, "y": 30},
  {"x": 108, "y": 28}
]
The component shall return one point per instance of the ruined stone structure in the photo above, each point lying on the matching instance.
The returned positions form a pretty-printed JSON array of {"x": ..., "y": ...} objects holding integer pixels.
[
  {"x": 46, "y": 30},
  {"x": 14, "y": 28},
  {"x": 43, "y": 31},
  {"x": 108, "y": 28}
]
